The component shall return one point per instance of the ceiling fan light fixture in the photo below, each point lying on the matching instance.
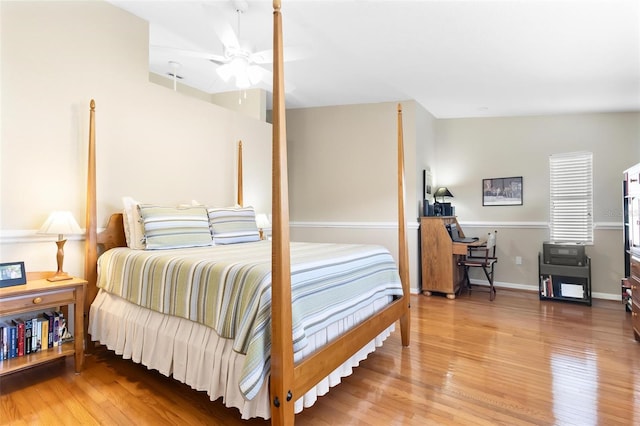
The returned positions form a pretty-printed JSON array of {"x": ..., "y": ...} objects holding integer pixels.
[
  {"x": 225, "y": 72},
  {"x": 239, "y": 66},
  {"x": 245, "y": 75},
  {"x": 242, "y": 81},
  {"x": 254, "y": 73}
]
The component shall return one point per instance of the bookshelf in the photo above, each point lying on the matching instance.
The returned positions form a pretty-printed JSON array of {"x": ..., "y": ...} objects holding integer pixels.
[
  {"x": 37, "y": 295},
  {"x": 564, "y": 282}
]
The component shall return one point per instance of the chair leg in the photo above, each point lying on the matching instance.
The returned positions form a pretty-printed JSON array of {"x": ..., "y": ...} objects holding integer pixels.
[
  {"x": 492, "y": 290},
  {"x": 492, "y": 275},
  {"x": 466, "y": 279}
]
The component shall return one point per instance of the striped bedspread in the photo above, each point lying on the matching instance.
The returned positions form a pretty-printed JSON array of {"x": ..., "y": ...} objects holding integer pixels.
[{"x": 228, "y": 288}]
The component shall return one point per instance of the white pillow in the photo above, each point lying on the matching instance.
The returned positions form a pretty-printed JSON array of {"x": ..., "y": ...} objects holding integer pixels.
[{"x": 133, "y": 226}]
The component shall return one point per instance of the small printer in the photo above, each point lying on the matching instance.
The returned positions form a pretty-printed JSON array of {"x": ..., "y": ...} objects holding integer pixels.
[{"x": 562, "y": 253}]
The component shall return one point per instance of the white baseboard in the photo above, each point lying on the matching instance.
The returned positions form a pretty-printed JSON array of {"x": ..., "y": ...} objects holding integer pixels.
[
  {"x": 532, "y": 288},
  {"x": 604, "y": 296}
]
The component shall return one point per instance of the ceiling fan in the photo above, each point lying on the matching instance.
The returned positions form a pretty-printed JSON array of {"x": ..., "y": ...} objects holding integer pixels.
[{"x": 238, "y": 62}]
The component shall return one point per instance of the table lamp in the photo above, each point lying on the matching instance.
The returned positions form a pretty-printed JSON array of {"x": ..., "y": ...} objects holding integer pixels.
[
  {"x": 262, "y": 221},
  {"x": 60, "y": 222},
  {"x": 443, "y": 191},
  {"x": 442, "y": 208}
]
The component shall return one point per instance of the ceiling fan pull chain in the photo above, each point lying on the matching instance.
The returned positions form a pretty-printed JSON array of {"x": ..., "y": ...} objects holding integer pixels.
[{"x": 238, "y": 13}]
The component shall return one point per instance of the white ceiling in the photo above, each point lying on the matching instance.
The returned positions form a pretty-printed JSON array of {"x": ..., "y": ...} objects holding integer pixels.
[{"x": 456, "y": 58}]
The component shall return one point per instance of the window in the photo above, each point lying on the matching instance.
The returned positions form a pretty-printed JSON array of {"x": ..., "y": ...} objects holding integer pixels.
[{"x": 571, "y": 197}]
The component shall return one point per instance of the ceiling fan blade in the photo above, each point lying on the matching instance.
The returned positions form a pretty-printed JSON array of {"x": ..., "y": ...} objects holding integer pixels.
[
  {"x": 225, "y": 72},
  {"x": 290, "y": 54},
  {"x": 221, "y": 27},
  {"x": 267, "y": 78},
  {"x": 219, "y": 59},
  {"x": 262, "y": 57}
]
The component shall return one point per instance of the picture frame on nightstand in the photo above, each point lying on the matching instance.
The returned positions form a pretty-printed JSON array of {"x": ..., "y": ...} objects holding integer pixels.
[{"x": 12, "y": 273}]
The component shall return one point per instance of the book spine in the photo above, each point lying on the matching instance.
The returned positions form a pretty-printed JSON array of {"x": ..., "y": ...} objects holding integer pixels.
[
  {"x": 5, "y": 339},
  {"x": 34, "y": 335},
  {"x": 19, "y": 324},
  {"x": 1, "y": 342},
  {"x": 27, "y": 336},
  {"x": 44, "y": 339},
  {"x": 50, "y": 317},
  {"x": 13, "y": 341}
]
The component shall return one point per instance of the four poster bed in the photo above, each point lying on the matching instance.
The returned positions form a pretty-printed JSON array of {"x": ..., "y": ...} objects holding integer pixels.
[{"x": 266, "y": 325}]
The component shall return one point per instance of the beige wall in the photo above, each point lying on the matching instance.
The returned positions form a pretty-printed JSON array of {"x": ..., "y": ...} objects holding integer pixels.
[
  {"x": 342, "y": 173},
  {"x": 153, "y": 144},
  {"x": 341, "y": 179},
  {"x": 347, "y": 155},
  {"x": 250, "y": 102},
  {"x": 469, "y": 150}
]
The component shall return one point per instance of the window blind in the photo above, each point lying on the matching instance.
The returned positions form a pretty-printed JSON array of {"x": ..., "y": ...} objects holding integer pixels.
[{"x": 571, "y": 197}]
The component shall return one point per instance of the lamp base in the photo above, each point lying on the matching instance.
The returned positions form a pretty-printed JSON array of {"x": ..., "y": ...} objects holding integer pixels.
[{"x": 59, "y": 277}]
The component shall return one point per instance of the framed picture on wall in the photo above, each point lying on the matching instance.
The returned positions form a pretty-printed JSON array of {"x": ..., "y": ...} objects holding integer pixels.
[
  {"x": 427, "y": 184},
  {"x": 505, "y": 191}
]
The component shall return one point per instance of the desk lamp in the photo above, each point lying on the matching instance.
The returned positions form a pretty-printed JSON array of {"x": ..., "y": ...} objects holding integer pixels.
[
  {"x": 60, "y": 222},
  {"x": 442, "y": 209},
  {"x": 443, "y": 191}
]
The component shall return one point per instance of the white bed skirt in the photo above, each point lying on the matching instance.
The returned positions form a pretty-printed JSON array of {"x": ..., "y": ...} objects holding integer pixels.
[{"x": 194, "y": 354}]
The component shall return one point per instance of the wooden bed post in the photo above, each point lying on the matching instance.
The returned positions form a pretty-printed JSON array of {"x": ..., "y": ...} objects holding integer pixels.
[
  {"x": 239, "y": 199},
  {"x": 90, "y": 243},
  {"x": 403, "y": 250},
  {"x": 281, "y": 385}
]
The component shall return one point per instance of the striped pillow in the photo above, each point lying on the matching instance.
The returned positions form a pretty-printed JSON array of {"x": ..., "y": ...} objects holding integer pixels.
[
  {"x": 233, "y": 225},
  {"x": 175, "y": 227}
]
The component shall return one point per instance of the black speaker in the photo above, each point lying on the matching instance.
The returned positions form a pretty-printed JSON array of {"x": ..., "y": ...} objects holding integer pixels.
[
  {"x": 425, "y": 208},
  {"x": 437, "y": 209}
]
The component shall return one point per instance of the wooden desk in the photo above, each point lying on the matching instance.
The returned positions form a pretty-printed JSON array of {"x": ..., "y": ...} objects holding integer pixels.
[{"x": 439, "y": 256}]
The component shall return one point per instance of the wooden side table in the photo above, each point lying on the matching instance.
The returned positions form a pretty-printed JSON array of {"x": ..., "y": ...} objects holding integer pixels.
[{"x": 39, "y": 294}]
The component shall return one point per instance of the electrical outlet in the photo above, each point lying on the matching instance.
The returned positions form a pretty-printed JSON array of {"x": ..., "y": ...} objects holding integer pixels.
[{"x": 518, "y": 260}]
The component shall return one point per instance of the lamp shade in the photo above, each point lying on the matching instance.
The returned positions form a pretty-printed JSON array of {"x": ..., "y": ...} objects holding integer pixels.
[
  {"x": 443, "y": 191},
  {"x": 262, "y": 221},
  {"x": 60, "y": 222}
]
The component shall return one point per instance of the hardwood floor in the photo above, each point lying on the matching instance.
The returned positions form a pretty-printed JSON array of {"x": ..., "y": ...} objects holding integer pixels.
[{"x": 514, "y": 361}]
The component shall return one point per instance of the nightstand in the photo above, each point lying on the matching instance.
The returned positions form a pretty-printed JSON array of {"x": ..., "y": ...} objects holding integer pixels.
[{"x": 38, "y": 295}]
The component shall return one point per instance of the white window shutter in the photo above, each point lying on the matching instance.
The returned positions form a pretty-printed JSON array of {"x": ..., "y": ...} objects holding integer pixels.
[{"x": 571, "y": 197}]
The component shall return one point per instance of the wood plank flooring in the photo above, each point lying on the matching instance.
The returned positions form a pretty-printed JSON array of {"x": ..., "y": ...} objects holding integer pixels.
[{"x": 514, "y": 361}]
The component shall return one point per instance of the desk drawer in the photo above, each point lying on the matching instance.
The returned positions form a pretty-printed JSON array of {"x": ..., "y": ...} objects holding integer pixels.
[
  {"x": 34, "y": 301},
  {"x": 635, "y": 268}
]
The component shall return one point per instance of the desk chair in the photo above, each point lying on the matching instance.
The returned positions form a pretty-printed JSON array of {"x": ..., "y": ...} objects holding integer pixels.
[{"x": 482, "y": 257}]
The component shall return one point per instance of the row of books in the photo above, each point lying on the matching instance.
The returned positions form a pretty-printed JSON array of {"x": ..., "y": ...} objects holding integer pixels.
[
  {"x": 19, "y": 337},
  {"x": 546, "y": 286}
]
